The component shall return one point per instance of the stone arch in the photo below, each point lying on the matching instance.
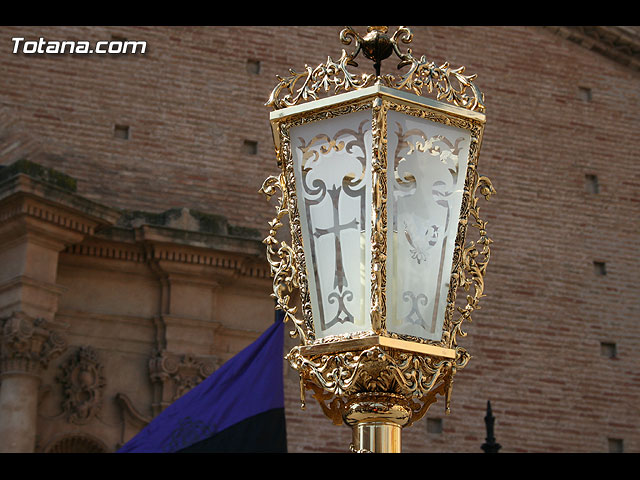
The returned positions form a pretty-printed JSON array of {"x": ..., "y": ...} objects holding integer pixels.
[{"x": 76, "y": 443}]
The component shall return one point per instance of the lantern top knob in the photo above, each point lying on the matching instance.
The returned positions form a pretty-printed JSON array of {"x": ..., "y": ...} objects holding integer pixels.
[{"x": 376, "y": 45}]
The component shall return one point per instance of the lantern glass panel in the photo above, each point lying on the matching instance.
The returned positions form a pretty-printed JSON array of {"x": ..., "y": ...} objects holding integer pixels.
[
  {"x": 331, "y": 161},
  {"x": 426, "y": 172}
]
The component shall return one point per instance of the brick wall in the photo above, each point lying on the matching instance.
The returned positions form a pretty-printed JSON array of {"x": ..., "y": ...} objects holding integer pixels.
[{"x": 556, "y": 112}]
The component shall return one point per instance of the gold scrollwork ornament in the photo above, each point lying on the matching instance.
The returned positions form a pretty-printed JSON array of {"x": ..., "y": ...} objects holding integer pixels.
[
  {"x": 414, "y": 379},
  {"x": 334, "y": 378},
  {"x": 449, "y": 84}
]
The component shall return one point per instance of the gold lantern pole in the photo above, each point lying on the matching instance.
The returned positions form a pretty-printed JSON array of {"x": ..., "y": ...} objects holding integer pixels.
[{"x": 377, "y": 382}]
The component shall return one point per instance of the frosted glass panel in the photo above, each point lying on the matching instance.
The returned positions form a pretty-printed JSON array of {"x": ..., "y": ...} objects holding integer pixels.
[
  {"x": 332, "y": 161},
  {"x": 427, "y": 165}
]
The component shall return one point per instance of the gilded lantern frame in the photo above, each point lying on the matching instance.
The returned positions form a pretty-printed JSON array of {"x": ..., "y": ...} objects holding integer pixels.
[
  {"x": 380, "y": 100},
  {"x": 343, "y": 367}
]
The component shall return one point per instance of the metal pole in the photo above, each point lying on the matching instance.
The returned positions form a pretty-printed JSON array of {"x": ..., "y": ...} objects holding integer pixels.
[{"x": 376, "y": 420}]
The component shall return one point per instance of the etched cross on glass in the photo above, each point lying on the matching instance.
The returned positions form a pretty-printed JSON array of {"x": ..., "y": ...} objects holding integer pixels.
[
  {"x": 340, "y": 280},
  {"x": 427, "y": 164},
  {"x": 332, "y": 161}
]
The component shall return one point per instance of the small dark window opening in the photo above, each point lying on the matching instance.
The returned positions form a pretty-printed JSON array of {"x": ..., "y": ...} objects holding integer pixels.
[
  {"x": 249, "y": 147},
  {"x": 434, "y": 425},
  {"x": 600, "y": 268},
  {"x": 121, "y": 131},
  {"x": 585, "y": 93},
  {"x": 616, "y": 445},
  {"x": 608, "y": 349},
  {"x": 591, "y": 183},
  {"x": 253, "y": 66}
]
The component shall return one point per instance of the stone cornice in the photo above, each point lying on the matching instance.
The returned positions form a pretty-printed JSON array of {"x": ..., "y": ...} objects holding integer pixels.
[
  {"x": 238, "y": 256},
  {"x": 24, "y": 195},
  {"x": 45, "y": 202},
  {"x": 164, "y": 238},
  {"x": 619, "y": 43}
]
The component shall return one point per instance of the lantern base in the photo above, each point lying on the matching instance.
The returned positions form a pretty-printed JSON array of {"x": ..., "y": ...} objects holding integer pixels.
[{"x": 376, "y": 420}]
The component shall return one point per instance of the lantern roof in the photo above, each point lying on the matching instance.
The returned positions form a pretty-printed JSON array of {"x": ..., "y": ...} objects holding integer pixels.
[
  {"x": 376, "y": 90},
  {"x": 448, "y": 84}
]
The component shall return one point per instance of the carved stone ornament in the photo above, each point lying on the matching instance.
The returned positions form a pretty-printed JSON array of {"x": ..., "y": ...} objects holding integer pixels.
[
  {"x": 83, "y": 384},
  {"x": 174, "y": 374},
  {"x": 27, "y": 345}
]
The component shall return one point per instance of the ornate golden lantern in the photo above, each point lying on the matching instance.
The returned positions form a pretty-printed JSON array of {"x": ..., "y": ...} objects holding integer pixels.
[{"x": 379, "y": 183}]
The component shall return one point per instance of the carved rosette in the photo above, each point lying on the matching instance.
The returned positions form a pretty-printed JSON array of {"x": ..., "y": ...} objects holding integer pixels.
[
  {"x": 83, "y": 383},
  {"x": 174, "y": 375},
  {"x": 27, "y": 345}
]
